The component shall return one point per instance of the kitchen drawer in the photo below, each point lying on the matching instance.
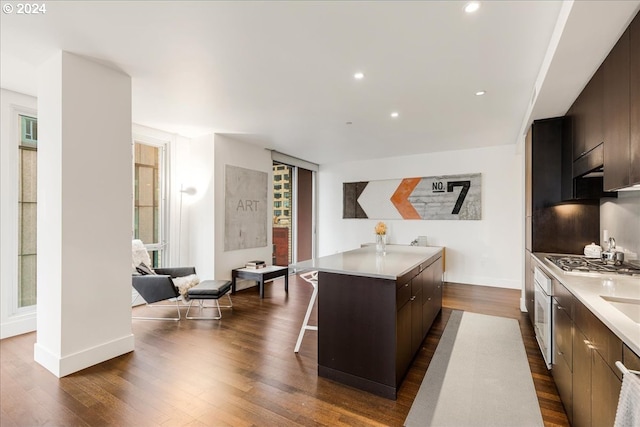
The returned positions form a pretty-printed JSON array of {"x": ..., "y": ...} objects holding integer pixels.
[
  {"x": 409, "y": 275},
  {"x": 565, "y": 298},
  {"x": 562, "y": 335},
  {"x": 403, "y": 293}
]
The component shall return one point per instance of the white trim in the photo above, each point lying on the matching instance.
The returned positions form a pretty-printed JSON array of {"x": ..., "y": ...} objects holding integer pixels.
[
  {"x": 163, "y": 145},
  {"x": 62, "y": 366},
  {"x": 14, "y": 320}
]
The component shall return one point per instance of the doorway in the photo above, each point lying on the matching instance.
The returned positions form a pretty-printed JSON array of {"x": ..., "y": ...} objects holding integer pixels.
[{"x": 292, "y": 219}]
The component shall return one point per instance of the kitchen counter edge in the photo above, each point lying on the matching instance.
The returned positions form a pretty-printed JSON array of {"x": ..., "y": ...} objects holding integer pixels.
[{"x": 589, "y": 288}]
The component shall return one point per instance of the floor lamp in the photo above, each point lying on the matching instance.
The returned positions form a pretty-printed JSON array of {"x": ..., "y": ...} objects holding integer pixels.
[{"x": 190, "y": 191}]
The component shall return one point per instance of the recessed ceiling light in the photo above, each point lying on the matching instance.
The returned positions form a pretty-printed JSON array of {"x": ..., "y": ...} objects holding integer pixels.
[
  {"x": 394, "y": 114},
  {"x": 472, "y": 7},
  {"x": 481, "y": 92},
  {"x": 358, "y": 76},
  {"x": 349, "y": 123}
]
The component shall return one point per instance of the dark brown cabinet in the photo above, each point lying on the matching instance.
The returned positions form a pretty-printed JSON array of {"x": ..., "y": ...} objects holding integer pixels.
[
  {"x": 616, "y": 115},
  {"x": 634, "y": 100},
  {"x": 550, "y": 228},
  {"x": 563, "y": 329},
  {"x": 584, "y": 356},
  {"x": 581, "y": 380},
  {"x": 587, "y": 116},
  {"x": 607, "y": 112},
  {"x": 596, "y": 384},
  {"x": 605, "y": 390},
  {"x": 432, "y": 295},
  {"x": 416, "y": 314}
]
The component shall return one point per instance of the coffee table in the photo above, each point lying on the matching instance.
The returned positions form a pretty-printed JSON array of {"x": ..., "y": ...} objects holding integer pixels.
[{"x": 260, "y": 275}]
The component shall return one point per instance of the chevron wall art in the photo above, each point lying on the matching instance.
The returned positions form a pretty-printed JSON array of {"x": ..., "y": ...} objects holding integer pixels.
[{"x": 449, "y": 197}]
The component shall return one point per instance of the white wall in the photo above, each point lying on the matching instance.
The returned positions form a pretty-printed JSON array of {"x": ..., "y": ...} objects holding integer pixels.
[
  {"x": 12, "y": 320},
  {"x": 621, "y": 217},
  {"x": 201, "y": 209},
  {"x": 486, "y": 252},
  {"x": 84, "y": 210},
  {"x": 209, "y": 155}
]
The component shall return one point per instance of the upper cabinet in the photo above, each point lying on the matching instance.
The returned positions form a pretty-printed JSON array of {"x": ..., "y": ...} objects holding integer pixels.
[
  {"x": 616, "y": 115},
  {"x": 621, "y": 113},
  {"x": 606, "y": 116},
  {"x": 586, "y": 114},
  {"x": 593, "y": 134}
]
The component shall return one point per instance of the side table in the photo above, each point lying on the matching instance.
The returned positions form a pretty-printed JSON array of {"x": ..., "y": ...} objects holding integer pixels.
[{"x": 260, "y": 275}]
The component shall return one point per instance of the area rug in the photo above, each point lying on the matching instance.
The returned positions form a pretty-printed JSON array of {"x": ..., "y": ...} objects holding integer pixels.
[{"x": 479, "y": 376}]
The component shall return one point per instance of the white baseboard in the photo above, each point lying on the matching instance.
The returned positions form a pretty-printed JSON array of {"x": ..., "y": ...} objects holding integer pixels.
[
  {"x": 523, "y": 306},
  {"x": 62, "y": 366},
  {"x": 18, "y": 326},
  {"x": 483, "y": 281}
]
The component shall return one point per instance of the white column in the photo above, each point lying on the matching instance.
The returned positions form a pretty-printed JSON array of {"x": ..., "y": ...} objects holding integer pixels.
[{"x": 84, "y": 214}]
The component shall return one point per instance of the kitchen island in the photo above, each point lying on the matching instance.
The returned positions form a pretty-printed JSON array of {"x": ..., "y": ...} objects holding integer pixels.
[{"x": 374, "y": 310}]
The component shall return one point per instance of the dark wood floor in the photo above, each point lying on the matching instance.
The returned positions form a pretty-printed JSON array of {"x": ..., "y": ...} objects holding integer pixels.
[{"x": 240, "y": 371}]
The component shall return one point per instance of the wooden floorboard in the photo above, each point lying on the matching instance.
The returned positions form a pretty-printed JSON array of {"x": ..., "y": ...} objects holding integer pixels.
[{"x": 238, "y": 371}]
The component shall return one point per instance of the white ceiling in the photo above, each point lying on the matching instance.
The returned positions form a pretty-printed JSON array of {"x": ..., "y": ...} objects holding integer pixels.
[{"x": 280, "y": 74}]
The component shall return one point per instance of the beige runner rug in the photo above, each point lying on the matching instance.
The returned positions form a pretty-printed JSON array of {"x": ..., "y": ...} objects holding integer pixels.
[{"x": 479, "y": 376}]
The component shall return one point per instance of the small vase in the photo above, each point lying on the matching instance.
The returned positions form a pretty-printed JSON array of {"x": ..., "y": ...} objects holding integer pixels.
[{"x": 381, "y": 242}]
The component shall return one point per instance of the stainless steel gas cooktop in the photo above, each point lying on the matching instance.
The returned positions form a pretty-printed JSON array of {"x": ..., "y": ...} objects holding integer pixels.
[{"x": 578, "y": 264}]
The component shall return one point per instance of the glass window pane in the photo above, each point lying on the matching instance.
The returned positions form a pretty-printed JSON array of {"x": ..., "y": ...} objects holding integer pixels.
[
  {"x": 147, "y": 197},
  {"x": 28, "y": 236},
  {"x": 27, "y": 277},
  {"x": 27, "y": 209},
  {"x": 282, "y": 220}
]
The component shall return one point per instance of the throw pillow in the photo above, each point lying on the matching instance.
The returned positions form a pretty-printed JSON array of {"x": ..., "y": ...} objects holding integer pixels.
[
  {"x": 144, "y": 269},
  {"x": 184, "y": 283}
]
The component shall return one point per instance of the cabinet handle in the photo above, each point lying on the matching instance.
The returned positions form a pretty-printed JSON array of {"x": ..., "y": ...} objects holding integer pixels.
[
  {"x": 561, "y": 353},
  {"x": 561, "y": 307},
  {"x": 413, "y": 297},
  {"x": 406, "y": 285}
]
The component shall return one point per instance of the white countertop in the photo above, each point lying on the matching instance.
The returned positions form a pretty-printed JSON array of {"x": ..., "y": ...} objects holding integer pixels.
[
  {"x": 397, "y": 260},
  {"x": 589, "y": 288}
]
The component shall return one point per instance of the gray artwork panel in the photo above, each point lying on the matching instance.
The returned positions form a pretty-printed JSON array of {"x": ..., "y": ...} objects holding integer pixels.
[
  {"x": 450, "y": 197},
  {"x": 246, "y": 209}
]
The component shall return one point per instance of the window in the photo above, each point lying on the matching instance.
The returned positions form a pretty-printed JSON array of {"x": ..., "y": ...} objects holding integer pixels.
[
  {"x": 27, "y": 207},
  {"x": 29, "y": 131},
  {"x": 149, "y": 198},
  {"x": 282, "y": 231}
]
